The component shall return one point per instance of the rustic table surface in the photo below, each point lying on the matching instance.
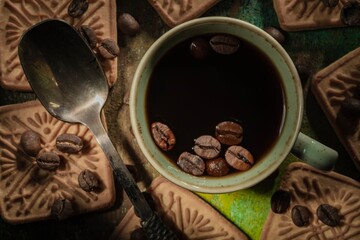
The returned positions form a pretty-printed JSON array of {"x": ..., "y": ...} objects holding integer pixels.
[{"x": 247, "y": 209}]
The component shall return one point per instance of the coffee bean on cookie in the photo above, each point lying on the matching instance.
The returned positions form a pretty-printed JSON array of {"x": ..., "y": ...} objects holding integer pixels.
[
  {"x": 280, "y": 201},
  {"x": 69, "y": 143},
  {"x": 30, "y": 143}
]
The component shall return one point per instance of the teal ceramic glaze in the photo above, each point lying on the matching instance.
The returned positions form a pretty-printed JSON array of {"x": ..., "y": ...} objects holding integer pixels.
[{"x": 292, "y": 93}]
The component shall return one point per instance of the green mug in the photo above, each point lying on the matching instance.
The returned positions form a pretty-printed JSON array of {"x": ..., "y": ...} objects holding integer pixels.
[{"x": 289, "y": 140}]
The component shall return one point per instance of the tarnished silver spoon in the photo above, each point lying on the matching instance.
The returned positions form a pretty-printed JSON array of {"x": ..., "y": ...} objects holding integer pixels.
[{"x": 70, "y": 83}]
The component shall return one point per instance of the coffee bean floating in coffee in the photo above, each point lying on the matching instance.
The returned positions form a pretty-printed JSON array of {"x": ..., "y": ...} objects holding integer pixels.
[
  {"x": 163, "y": 136},
  {"x": 229, "y": 133},
  {"x": 239, "y": 158},
  {"x": 280, "y": 201},
  {"x": 200, "y": 48},
  {"x": 207, "y": 147},
  {"x": 217, "y": 167},
  {"x": 191, "y": 163},
  {"x": 225, "y": 44}
]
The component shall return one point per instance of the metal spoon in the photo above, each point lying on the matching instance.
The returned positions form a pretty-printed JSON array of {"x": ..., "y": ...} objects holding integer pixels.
[{"x": 70, "y": 83}]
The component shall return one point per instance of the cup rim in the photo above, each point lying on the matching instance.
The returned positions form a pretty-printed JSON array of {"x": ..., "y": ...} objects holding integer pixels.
[{"x": 138, "y": 131}]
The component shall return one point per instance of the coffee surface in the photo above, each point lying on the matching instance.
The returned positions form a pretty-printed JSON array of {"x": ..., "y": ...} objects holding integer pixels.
[{"x": 193, "y": 95}]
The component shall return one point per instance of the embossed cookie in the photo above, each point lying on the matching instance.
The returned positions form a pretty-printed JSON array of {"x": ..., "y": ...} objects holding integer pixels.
[
  {"x": 18, "y": 16},
  {"x": 331, "y": 87},
  {"x": 311, "y": 188},
  {"x": 174, "y": 12},
  {"x": 297, "y": 15},
  {"x": 29, "y": 189},
  {"x": 192, "y": 216}
]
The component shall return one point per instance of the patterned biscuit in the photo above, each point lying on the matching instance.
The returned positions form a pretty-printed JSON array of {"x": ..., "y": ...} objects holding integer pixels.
[
  {"x": 28, "y": 192},
  {"x": 310, "y": 187},
  {"x": 18, "y": 15},
  {"x": 174, "y": 12},
  {"x": 331, "y": 86},
  {"x": 194, "y": 217},
  {"x": 297, "y": 15}
]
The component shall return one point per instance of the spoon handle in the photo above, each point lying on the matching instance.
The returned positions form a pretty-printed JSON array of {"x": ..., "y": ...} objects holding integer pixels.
[{"x": 151, "y": 222}]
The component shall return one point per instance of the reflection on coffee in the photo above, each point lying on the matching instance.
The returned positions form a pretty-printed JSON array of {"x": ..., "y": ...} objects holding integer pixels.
[{"x": 193, "y": 89}]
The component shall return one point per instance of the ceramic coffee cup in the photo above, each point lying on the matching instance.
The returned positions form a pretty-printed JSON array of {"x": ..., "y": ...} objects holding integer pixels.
[{"x": 289, "y": 140}]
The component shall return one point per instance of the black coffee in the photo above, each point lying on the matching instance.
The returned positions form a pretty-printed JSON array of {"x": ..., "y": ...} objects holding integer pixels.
[{"x": 192, "y": 95}]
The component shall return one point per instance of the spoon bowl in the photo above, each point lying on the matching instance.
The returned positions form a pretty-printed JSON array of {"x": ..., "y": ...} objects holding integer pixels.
[{"x": 62, "y": 70}]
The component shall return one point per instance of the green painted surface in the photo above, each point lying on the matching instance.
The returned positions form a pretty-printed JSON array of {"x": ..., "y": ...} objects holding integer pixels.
[{"x": 247, "y": 209}]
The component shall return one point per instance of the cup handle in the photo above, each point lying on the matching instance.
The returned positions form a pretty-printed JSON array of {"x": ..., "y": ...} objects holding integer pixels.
[{"x": 314, "y": 153}]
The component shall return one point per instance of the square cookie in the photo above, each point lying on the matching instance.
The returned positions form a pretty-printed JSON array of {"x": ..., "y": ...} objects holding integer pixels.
[
  {"x": 331, "y": 86},
  {"x": 27, "y": 191},
  {"x": 174, "y": 12},
  {"x": 181, "y": 208},
  {"x": 310, "y": 188},
  {"x": 298, "y": 15},
  {"x": 18, "y": 15}
]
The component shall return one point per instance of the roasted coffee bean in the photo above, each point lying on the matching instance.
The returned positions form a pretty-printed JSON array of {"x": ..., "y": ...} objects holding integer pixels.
[
  {"x": 89, "y": 35},
  {"x": 229, "y": 133},
  {"x": 280, "y": 201},
  {"x": 200, "y": 48},
  {"x": 350, "y": 13},
  {"x": 330, "y": 3},
  {"x": 30, "y": 143},
  {"x": 303, "y": 66},
  {"x": 108, "y": 48},
  {"x": 225, "y": 44},
  {"x": 207, "y": 147},
  {"x": 239, "y": 158},
  {"x": 217, "y": 167},
  {"x": 69, "y": 143},
  {"x": 329, "y": 215},
  {"x": 138, "y": 234},
  {"x": 62, "y": 208},
  {"x": 301, "y": 216},
  {"x": 191, "y": 163},
  {"x": 48, "y": 160},
  {"x": 77, "y": 8},
  {"x": 163, "y": 136},
  {"x": 276, "y": 33},
  {"x": 351, "y": 106},
  {"x": 128, "y": 25},
  {"x": 88, "y": 180}
]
